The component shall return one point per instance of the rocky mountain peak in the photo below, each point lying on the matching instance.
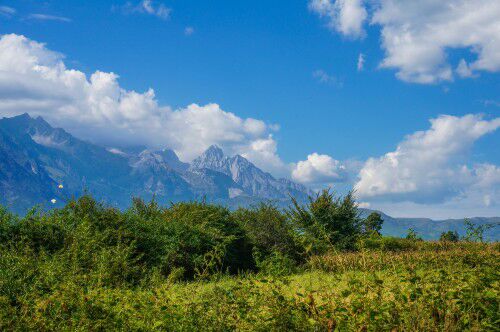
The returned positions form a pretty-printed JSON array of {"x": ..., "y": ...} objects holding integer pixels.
[{"x": 212, "y": 158}]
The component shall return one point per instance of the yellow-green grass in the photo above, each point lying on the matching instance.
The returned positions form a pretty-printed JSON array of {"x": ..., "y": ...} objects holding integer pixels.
[{"x": 433, "y": 287}]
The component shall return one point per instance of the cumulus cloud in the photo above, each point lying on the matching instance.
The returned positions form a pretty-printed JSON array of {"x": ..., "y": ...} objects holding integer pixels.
[
  {"x": 188, "y": 31},
  {"x": 344, "y": 16},
  {"x": 148, "y": 7},
  {"x": 417, "y": 36},
  {"x": 429, "y": 166},
  {"x": 318, "y": 170},
  {"x": 35, "y": 79}
]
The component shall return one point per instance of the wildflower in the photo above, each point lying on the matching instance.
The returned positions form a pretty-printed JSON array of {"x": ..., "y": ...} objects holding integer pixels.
[
  {"x": 60, "y": 186},
  {"x": 53, "y": 201}
]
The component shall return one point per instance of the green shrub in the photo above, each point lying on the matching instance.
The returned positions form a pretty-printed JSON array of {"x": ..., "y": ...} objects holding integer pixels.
[
  {"x": 269, "y": 231},
  {"x": 199, "y": 238},
  {"x": 327, "y": 221},
  {"x": 413, "y": 235},
  {"x": 450, "y": 236},
  {"x": 275, "y": 264},
  {"x": 386, "y": 243}
]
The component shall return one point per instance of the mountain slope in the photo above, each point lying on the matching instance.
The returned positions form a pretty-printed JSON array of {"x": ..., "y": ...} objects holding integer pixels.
[
  {"x": 252, "y": 180},
  {"x": 431, "y": 229},
  {"x": 35, "y": 158}
]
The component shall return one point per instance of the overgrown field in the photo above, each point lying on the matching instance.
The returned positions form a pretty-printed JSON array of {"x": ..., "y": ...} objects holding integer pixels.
[{"x": 195, "y": 266}]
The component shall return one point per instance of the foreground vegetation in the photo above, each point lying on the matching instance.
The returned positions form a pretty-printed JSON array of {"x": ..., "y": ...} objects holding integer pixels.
[{"x": 196, "y": 266}]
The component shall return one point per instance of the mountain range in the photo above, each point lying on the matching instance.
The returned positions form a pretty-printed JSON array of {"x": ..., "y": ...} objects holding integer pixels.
[
  {"x": 40, "y": 164},
  {"x": 36, "y": 158}
]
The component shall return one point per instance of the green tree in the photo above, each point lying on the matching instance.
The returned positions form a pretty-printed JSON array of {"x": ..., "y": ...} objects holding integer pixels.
[
  {"x": 373, "y": 223},
  {"x": 475, "y": 233},
  {"x": 450, "y": 236},
  {"x": 268, "y": 231},
  {"x": 327, "y": 221},
  {"x": 413, "y": 235}
]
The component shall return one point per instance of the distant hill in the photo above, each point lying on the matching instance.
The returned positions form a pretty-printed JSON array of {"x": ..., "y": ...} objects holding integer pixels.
[
  {"x": 36, "y": 158},
  {"x": 430, "y": 229}
]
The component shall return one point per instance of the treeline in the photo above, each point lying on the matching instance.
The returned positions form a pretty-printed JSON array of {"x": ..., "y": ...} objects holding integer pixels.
[{"x": 187, "y": 240}]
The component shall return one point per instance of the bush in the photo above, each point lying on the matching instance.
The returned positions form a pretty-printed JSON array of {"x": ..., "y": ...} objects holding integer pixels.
[
  {"x": 327, "y": 222},
  {"x": 385, "y": 243},
  {"x": 200, "y": 238},
  {"x": 269, "y": 231},
  {"x": 450, "y": 236},
  {"x": 413, "y": 235},
  {"x": 275, "y": 264}
]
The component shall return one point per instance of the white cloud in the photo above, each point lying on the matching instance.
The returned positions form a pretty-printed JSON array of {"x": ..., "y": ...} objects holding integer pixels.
[
  {"x": 44, "y": 17},
  {"x": 7, "y": 11},
  {"x": 418, "y": 36},
  {"x": 344, "y": 16},
  {"x": 324, "y": 77},
  {"x": 188, "y": 31},
  {"x": 148, "y": 7},
  {"x": 35, "y": 79},
  {"x": 319, "y": 169},
  {"x": 463, "y": 69},
  {"x": 264, "y": 153},
  {"x": 361, "y": 62},
  {"x": 428, "y": 166},
  {"x": 364, "y": 205},
  {"x": 491, "y": 102}
]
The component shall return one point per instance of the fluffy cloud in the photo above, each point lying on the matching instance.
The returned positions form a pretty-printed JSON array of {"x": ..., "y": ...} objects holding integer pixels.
[
  {"x": 344, "y": 16},
  {"x": 418, "y": 35},
  {"x": 428, "y": 166},
  {"x": 35, "y": 79},
  {"x": 319, "y": 169}
]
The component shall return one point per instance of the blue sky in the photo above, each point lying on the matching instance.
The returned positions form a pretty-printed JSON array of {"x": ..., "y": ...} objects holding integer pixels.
[{"x": 289, "y": 63}]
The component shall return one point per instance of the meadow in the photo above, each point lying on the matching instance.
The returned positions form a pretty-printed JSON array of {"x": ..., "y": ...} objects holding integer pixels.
[{"x": 196, "y": 266}]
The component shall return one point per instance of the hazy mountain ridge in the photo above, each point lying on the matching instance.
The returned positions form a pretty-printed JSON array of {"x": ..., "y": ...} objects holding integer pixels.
[
  {"x": 35, "y": 158},
  {"x": 430, "y": 229},
  {"x": 46, "y": 156}
]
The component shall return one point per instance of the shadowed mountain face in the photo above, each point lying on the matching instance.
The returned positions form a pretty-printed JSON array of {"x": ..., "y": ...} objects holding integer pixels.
[
  {"x": 250, "y": 179},
  {"x": 35, "y": 158}
]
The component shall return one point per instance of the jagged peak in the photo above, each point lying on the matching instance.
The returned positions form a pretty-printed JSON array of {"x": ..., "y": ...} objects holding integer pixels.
[
  {"x": 213, "y": 153},
  {"x": 25, "y": 115},
  {"x": 214, "y": 150}
]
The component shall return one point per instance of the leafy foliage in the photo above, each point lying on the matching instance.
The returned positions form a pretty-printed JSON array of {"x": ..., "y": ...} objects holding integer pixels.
[
  {"x": 451, "y": 236},
  {"x": 475, "y": 233},
  {"x": 373, "y": 223},
  {"x": 413, "y": 235},
  {"x": 327, "y": 222},
  {"x": 196, "y": 266}
]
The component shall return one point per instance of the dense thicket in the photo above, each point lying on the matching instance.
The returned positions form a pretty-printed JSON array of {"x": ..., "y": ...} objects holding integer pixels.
[
  {"x": 89, "y": 266},
  {"x": 191, "y": 239}
]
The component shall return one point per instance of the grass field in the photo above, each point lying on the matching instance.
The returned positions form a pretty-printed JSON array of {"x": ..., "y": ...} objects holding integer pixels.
[
  {"x": 91, "y": 268},
  {"x": 426, "y": 289}
]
